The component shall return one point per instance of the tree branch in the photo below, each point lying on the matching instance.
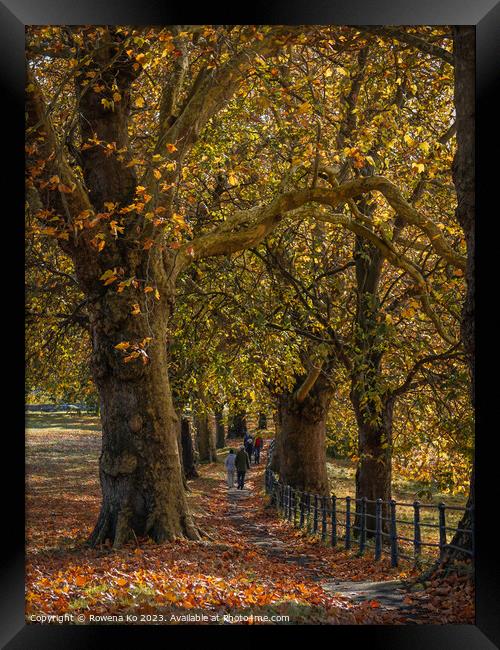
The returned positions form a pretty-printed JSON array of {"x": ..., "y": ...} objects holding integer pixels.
[
  {"x": 410, "y": 39},
  {"x": 308, "y": 384},
  {"x": 407, "y": 384}
]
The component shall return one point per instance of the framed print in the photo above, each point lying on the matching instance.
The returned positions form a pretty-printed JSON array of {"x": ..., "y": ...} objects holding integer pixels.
[{"x": 250, "y": 387}]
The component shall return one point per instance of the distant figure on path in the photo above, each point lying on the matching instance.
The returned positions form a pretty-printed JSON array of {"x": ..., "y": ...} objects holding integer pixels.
[
  {"x": 259, "y": 443},
  {"x": 249, "y": 446},
  {"x": 242, "y": 464},
  {"x": 230, "y": 467}
]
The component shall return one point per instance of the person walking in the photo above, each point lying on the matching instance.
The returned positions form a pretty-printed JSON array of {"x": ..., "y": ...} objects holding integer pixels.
[
  {"x": 242, "y": 463},
  {"x": 259, "y": 443},
  {"x": 249, "y": 446},
  {"x": 230, "y": 467}
]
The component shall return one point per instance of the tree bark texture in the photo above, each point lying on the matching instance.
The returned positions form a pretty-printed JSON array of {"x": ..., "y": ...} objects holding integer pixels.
[
  {"x": 139, "y": 466},
  {"x": 188, "y": 460},
  {"x": 302, "y": 446},
  {"x": 372, "y": 405},
  {"x": 220, "y": 432},
  {"x": 205, "y": 436},
  {"x": 464, "y": 56}
]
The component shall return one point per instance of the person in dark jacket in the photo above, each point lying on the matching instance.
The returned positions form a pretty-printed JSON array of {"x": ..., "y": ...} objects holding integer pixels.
[
  {"x": 242, "y": 463},
  {"x": 249, "y": 446}
]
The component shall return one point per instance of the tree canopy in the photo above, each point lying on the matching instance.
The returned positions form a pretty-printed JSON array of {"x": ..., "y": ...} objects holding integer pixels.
[{"x": 290, "y": 190}]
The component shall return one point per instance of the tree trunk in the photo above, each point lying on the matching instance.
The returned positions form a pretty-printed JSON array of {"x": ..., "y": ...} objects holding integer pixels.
[
  {"x": 302, "y": 453},
  {"x": 372, "y": 406},
  {"x": 237, "y": 425},
  {"x": 188, "y": 461},
  {"x": 464, "y": 50},
  {"x": 374, "y": 471},
  {"x": 262, "y": 421},
  {"x": 275, "y": 460},
  {"x": 205, "y": 435},
  {"x": 220, "y": 433},
  {"x": 139, "y": 467}
]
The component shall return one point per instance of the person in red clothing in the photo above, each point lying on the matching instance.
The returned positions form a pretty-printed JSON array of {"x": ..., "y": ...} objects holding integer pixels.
[{"x": 258, "y": 445}]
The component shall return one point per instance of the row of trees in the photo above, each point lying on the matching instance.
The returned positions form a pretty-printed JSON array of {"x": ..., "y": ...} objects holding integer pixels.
[{"x": 293, "y": 190}]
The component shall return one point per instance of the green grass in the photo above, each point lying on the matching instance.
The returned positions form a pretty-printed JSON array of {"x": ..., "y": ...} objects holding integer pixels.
[{"x": 341, "y": 475}]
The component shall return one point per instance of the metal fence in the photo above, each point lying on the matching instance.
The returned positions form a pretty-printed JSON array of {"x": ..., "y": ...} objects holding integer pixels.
[{"x": 347, "y": 520}]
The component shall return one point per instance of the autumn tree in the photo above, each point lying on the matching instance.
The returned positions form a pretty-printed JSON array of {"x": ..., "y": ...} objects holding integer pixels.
[
  {"x": 112, "y": 216},
  {"x": 119, "y": 123}
]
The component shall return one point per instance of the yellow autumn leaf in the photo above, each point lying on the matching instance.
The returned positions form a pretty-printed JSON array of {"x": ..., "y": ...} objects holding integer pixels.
[
  {"x": 135, "y": 310},
  {"x": 109, "y": 275},
  {"x": 122, "y": 346},
  {"x": 179, "y": 219},
  {"x": 304, "y": 108},
  {"x": 116, "y": 97},
  {"x": 424, "y": 146},
  {"x": 171, "y": 148}
]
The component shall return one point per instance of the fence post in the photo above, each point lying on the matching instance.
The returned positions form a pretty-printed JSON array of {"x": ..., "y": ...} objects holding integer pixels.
[
  {"x": 308, "y": 511},
  {"x": 378, "y": 529},
  {"x": 442, "y": 528},
  {"x": 348, "y": 522},
  {"x": 362, "y": 532},
  {"x": 334, "y": 520},
  {"x": 323, "y": 519},
  {"x": 417, "y": 539},
  {"x": 288, "y": 497},
  {"x": 315, "y": 514},
  {"x": 393, "y": 534},
  {"x": 301, "y": 521},
  {"x": 294, "y": 507}
]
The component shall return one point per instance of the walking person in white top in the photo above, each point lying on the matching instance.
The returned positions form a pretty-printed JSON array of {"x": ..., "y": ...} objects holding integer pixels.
[{"x": 230, "y": 467}]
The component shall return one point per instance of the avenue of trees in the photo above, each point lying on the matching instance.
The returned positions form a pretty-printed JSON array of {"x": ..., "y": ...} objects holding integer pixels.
[{"x": 277, "y": 219}]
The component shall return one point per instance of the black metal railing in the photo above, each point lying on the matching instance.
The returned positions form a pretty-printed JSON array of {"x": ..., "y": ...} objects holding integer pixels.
[{"x": 382, "y": 529}]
